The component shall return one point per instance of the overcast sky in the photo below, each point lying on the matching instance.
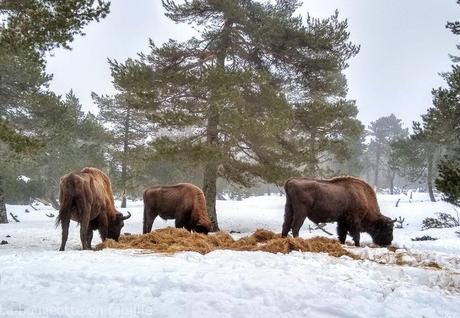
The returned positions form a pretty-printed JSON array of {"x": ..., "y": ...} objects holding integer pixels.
[{"x": 404, "y": 47}]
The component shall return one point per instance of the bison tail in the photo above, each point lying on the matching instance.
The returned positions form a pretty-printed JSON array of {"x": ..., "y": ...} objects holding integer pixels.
[
  {"x": 66, "y": 198},
  {"x": 288, "y": 216}
]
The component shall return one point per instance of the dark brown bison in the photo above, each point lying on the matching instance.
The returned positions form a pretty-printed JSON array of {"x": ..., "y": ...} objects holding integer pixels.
[
  {"x": 86, "y": 197},
  {"x": 349, "y": 201},
  {"x": 183, "y": 202}
]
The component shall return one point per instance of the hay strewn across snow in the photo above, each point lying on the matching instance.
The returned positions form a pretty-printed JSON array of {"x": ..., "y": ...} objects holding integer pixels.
[{"x": 172, "y": 240}]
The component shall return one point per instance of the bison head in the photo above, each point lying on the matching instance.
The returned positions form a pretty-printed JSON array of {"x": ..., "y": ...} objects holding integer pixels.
[
  {"x": 382, "y": 231},
  {"x": 116, "y": 226}
]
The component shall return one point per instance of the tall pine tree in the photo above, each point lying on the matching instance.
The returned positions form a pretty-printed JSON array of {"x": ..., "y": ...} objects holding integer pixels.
[
  {"x": 72, "y": 140},
  {"x": 448, "y": 181},
  {"x": 384, "y": 131},
  {"x": 322, "y": 135},
  {"x": 230, "y": 89},
  {"x": 129, "y": 129},
  {"x": 28, "y": 30},
  {"x": 445, "y": 117}
]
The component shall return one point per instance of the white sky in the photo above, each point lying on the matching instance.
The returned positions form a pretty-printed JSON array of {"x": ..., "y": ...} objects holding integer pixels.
[{"x": 404, "y": 46}]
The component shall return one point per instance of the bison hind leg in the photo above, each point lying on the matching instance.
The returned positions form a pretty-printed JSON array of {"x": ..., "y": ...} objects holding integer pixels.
[
  {"x": 342, "y": 231},
  {"x": 149, "y": 218},
  {"x": 288, "y": 216},
  {"x": 65, "y": 233},
  {"x": 297, "y": 224}
]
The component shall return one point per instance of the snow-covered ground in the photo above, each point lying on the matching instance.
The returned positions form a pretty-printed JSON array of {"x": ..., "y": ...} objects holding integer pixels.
[{"x": 38, "y": 281}]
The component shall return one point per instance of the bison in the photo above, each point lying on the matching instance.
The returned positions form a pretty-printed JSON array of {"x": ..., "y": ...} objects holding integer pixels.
[
  {"x": 349, "y": 201},
  {"x": 86, "y": 197},
  {"x": 183, "y": 202}
]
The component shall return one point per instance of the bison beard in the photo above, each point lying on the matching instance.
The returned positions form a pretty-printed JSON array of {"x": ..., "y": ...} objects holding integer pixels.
[
  {"x": 349, "y": 201},
  {"x": 86, "y": 197},
  {"x": 183, "y": 202}
]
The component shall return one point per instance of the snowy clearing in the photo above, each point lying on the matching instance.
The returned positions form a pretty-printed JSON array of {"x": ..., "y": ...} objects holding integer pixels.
[{"x": 38, "y": 281}]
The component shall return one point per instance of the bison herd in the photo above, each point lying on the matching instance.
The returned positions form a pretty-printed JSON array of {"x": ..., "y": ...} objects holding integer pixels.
[{"x": 86, "y": 197}]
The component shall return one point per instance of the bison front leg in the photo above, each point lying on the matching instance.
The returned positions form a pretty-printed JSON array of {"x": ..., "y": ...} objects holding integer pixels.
[
  {"x": 355, "y": 234},
  {"x": 93, "y": 224},
  {"x": 103, "y": 226},
  {"x": 180, "y": 221}
]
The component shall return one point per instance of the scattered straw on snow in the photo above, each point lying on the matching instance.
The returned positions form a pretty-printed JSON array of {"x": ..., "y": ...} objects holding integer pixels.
[{"x": 172, "y": 240}]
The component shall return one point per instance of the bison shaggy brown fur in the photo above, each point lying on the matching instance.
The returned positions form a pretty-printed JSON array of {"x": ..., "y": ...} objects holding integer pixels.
[
  {"x": 86, "y": 197},
  {"x": 349, "y": 201},
  {"x": 183, "y": 202}
]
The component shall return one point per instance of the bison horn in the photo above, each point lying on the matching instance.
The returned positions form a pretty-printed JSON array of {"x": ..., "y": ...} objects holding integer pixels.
[
  {"x": 394, "y": 220},
  {"x": 127, "y": 216}
]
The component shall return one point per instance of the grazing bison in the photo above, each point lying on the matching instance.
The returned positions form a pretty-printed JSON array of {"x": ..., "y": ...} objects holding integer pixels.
[
  {"x": 86, "y": 197},
  {"x": 183, "y": 202},
  {"x": 349, "y": 201}
]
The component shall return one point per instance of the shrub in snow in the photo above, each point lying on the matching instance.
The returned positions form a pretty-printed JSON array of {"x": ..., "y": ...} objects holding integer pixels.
[
  {"x": 399, "y": 223},
  {"x": 425, "y": 238},
  {"x": 444, "y": 220}
]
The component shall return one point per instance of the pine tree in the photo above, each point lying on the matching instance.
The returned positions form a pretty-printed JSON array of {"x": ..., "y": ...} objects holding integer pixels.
[
  {"x": 129, "y": 129},
  {"x": 322, "y": 133},
  {"x": 29, "y": 29},
  {"x": 384, "y": 131},
  {"x": 69, "y": 139},
  {"x": 354, "y": 163},
  {"x": 226, "y": 91},
  {"x": 72, "y": 140},
  {"x": 448, "y": 180},
  {"x": 446, "y": 117},
  {"x": 433, "y": 137}
]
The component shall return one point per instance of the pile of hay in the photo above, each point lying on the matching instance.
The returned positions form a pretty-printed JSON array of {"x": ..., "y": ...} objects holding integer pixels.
[{"x": 172, "y": 240}]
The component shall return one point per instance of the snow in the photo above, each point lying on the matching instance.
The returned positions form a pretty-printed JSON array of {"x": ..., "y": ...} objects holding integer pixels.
[
  {"x": 24, "y": 178},
  {"x": 38, "y": 281}
]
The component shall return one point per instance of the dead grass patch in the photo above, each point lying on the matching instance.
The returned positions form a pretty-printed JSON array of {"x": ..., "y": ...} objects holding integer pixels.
[{"x": 171, "y": 240}]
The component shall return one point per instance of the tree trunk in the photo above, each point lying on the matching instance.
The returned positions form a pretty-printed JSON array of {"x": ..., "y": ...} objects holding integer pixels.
[
  {"x": 210, "y": 169},
  {"x": 53, "y": 201},
  {"x": 392, "y": 181},
  {"x": 368, "y": 174},
  {"x": 124, "y": 163},
  {"x": 429, "y": 177},
  {"x": 377, "y": 166},
  {"x": 313, "y": 156},
  {"x": 123, "y": 200},
  {"x": 3, "y": 215},
  {"x": 210, "y": 190}
]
